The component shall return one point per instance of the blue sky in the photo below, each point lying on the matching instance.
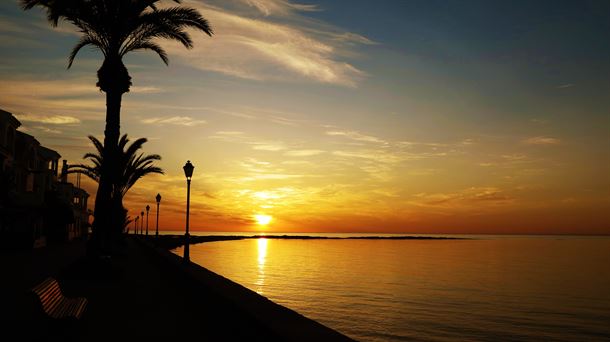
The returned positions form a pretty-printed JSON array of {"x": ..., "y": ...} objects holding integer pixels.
[{"x": 426, "y": 116}]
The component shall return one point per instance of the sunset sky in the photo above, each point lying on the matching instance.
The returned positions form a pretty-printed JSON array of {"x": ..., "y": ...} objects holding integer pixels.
[{"x": 348, "y": 116}]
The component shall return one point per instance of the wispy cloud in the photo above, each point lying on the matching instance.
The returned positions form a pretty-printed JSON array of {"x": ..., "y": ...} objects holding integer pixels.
[
  {"x": 9, "y": 26},
  {"x": 174, "y": 120},
  {"x": 278, "y": 7},
  {"x": 542, "y": 141},
  {"x": 50, "y": 88},
  {"x": 268, "y": 48},
  {"x": 230, "y": 136},
  {"x": 373, "y": 155},
  {"x": 49, "y": 119},
  {"x": 515, "y": 157},
  {"x": 231, "y": 133},
  {"x": 145, "y": 90},
  {"x": 303, "y": 153},
  {"x": 254, "y": 142},
  {"x": 268, "y": 146},
  {"x": 254, "y": 39},
  {"x": 16, "y": 33},
  {"x": 516, "y": 162},
  {"x": 356, "y": 136},
  {"x": 269, "y": 176},
  {"x": 480, "y": 195},
  {"x": 48, "y": 130},
  {"x": 282, "y": 120},
  {"x": 73, "y": 98}
]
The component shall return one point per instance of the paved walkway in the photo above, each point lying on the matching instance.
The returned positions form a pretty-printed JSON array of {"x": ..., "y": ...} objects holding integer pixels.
[
  {"x": 134, "y": 297},
  {"x": 146, "y": 294},
  {"x": 20, "y": 271}
]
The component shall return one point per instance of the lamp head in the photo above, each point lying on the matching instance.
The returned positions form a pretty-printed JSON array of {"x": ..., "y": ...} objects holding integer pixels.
[
  {"x": 188, "y": 170},
  {"x": 158, "y": 198},
  {"x": 147, "y": 208},
  {"x": 142, "y": 213}
]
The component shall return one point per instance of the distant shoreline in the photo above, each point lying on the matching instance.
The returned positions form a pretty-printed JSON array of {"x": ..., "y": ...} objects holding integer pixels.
[{"x": 174, "y": 241}]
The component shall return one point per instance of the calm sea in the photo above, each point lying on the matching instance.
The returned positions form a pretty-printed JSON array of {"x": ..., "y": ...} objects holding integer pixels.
[{"x": 488, "y": 288}]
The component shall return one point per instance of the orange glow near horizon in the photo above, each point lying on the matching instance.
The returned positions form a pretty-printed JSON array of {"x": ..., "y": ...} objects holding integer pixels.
[{"x": 335, "y": 209}]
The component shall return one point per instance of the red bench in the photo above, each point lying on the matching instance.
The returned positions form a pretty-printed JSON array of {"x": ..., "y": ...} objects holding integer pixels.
[{"x": 55, "y": 304}]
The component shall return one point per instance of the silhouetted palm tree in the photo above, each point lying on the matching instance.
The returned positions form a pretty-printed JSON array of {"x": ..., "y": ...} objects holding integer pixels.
[
  {"x": 117, "y": 27},
  {"x": 130, "y": 168}
]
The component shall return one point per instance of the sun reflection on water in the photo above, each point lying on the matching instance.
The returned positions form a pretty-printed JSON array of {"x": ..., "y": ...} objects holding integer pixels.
[{"x": 262, "y": 255}]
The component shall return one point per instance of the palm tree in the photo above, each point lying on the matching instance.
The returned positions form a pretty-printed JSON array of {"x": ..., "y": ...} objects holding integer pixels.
[
  {"x": 117, "y": 27},
  {"x": 130, "y": 168}
]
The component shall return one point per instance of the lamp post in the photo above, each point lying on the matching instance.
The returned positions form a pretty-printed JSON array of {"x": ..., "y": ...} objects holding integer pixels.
[
  {"x": 142, "y": 223},
  {"x": 147, "y": 209},
  {"x": 135, "y": 227},
  {"x": 158, "y": 198},
  {"x": 188, "y": 172},
  {"x": 137, "y": 217}
]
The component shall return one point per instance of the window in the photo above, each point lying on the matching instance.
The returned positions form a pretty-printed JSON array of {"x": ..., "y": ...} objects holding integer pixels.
[{"x": 29, "y": 182}]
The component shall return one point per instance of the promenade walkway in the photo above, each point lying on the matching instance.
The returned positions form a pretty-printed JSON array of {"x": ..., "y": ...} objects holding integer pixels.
[
  {"x": 135, "y": 297},
  {"x": 130, "y": 297},
  {"x": 146, "y": 294},
  {"x": 20, "y": 271}
]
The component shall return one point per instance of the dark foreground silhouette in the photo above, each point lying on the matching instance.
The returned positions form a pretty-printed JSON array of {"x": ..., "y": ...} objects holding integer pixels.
[{"x": 146, "y": 294}]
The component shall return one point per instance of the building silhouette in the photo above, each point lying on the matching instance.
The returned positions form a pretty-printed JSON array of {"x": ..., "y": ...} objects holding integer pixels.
[{"x": 37, "y": 203}]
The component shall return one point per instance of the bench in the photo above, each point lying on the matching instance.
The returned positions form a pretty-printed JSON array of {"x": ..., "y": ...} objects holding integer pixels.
[{"x": 55, "y": 304}]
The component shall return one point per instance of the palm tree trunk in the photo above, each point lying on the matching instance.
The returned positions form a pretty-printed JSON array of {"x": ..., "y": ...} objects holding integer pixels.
[
  {"x": 114, "y": 80},
  {"x": 102, "y": 229}
]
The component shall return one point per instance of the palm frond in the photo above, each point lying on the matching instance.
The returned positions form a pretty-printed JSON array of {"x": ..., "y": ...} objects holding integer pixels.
[
  {"x": 134, "y": 147},
  {"x": 92, "y": 172},
  {"x": 98, "y": 144},
  {"x": 150, "y": 46},
  {"x": 177, "y": 17},
  {"x": 130, "y": 166},
  {"x": 117, "y": 27}
]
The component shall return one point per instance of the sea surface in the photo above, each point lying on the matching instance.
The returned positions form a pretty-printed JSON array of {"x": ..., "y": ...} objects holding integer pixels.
[{"x": 486, "y": 288}]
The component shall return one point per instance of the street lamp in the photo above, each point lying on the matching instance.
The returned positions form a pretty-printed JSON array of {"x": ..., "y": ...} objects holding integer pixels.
[
  {"x": 158, "y": 198},
  {"x": 188, "y": 172},
  {"x": 137, "y": 217},
  {"x": 135, "y": 227},
  {"x": 142, "y": 223},
  {"x": 147, "y": 209}
]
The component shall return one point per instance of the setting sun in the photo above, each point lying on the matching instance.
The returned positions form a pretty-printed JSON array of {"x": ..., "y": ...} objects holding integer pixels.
[{"x": 263, "y": 219}]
